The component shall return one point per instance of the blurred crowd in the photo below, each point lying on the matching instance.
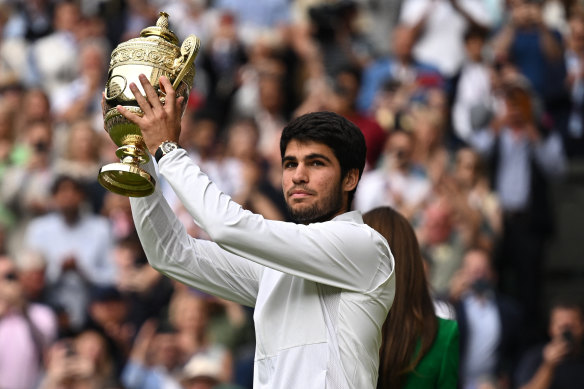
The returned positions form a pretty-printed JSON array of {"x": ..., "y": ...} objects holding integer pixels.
[{"x": 470, "y": 109}]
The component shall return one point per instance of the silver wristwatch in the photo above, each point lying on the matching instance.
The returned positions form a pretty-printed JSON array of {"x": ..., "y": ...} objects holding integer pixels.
[{"x": 165, "y": 148}]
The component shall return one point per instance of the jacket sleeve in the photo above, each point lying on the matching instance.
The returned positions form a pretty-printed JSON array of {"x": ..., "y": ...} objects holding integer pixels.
[
  {"x": 340, "y": 253},
  {"x": 197, "y": 263}
]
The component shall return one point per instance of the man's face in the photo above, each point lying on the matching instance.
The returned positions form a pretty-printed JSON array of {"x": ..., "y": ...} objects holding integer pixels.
[
  {"x": 312, "y": 184},
  {"x": 68, "y": 198},
  {"x": 566, "y": 319},
  {"x": 400, "y": 149}
]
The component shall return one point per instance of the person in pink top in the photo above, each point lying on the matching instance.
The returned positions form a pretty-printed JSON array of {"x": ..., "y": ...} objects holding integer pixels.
[{"x": 26, "y": 330}]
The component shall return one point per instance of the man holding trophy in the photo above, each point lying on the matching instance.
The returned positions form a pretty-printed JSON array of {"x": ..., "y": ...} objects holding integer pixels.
[{"x": 321, "y": 287}]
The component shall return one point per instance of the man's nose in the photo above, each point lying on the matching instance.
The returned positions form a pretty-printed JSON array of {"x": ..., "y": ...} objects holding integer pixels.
[{"x": 300, "y": 174}]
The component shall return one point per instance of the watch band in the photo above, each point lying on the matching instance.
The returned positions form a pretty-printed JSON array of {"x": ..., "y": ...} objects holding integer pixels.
[{"x": 165, "y": 148}]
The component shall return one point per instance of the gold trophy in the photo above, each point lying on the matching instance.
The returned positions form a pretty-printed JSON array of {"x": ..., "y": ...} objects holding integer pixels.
[{"x": 155, "y": 53}]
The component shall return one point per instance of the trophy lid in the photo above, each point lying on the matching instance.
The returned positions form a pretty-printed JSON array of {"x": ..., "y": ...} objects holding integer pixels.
[{"x": 161, "y": 30}]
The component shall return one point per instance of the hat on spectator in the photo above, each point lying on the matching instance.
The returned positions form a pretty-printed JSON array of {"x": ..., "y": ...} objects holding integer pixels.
[
  {"x": 105, "y": 294},
  {"x": 31, "y": 260},
  {"x": 201, "y": 367}
]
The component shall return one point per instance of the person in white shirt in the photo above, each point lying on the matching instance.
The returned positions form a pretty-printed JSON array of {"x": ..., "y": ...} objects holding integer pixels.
[
  {"x": 398, "y": 182},
  {"x": 321, "y": 287}
]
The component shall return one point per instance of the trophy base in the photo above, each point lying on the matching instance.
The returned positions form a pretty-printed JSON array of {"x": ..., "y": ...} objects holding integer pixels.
[{"x": 127, "y": 180}]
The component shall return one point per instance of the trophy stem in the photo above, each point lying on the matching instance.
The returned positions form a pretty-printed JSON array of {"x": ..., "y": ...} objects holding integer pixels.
[
  {"x": 127, "y": 177},
  {"x": 134, "y": 154}
]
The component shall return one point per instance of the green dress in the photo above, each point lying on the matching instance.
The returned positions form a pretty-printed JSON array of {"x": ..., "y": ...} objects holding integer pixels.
[{"x": 439, "y": 367}]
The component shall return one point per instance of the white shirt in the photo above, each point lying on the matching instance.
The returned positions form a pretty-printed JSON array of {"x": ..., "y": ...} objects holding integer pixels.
[
  {"x": 380, "y": 187},
  {"x": 89, "y": 241},
  {"x": 474, "y": 89},
  {"x": 321, "y": 292},
  {"x": 484, "y": 327},
  {"x": 441, "y": 43},
  {"x": 513, "y": 182}
]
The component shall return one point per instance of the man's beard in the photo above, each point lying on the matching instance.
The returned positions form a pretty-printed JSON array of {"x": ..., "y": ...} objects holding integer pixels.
[{"x": 316, "y": 213}]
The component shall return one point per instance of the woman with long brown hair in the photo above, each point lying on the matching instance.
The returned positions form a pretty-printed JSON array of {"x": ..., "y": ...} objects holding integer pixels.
[{"x": 418, "y": 349}]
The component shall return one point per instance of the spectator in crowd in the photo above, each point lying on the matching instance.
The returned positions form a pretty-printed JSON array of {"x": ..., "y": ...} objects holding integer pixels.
[
  {"x": 30, "y": 20},
  {"x": 471, "y": 187},
  {"x": 77, "y": 247},
  {"x": 202, "y": 372},
  {"x": 337, "y": 34},
  {"x": 81, "y": 362},
  {"x": 429, "y": 149},
  {"x": 32, "y": 276},
  {"x": 439, "y": 27},
  {"x": 270, "y": 114},
  {"x": 263, "y": 17},
  {"x": 560, "y": 362},
  {"x": 53, "y": 58},
  {"x": 398, "y": 182},
  {"x": 27, "y": 330},
  {"x": 26, "y": 187},
  {"x": 137, "y": 15},
  {"x": 13, "y": 46},
  {"x": 189, "y": 315},
  {"x": 257, "y": 192},
  {"x": 116, "y": 208},
  {"x": 146, "y": 291},
  {"x": 574, "y": 135},
  {"x": 35, "y": 107},
  {"x": 523, "y": 156},
  {"x": 490, "y": 324},
  {"x": 400, "y": 67},
  {"x": 473, "y": 84},
  {"x": 155, "y": 361},
  {"x": 221, "y": 61},
  {"x": 11, "y": 90},
  {"x": 537, "y": 51},
  {"x": 191, "y": 17},
  {"x": 80, "y": 159},
  {"x": 343, "y": 102},
  {"x": 81, "y": 98},
  {"x": 444, "y": 237},
  {"x": 418, "y": 349},
  {"x": 108, "y": 314},
  {"x": 203, "y": 141}
]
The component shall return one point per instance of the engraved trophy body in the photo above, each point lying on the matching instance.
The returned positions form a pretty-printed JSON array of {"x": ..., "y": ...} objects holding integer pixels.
[{"x": 155, "y": 53}]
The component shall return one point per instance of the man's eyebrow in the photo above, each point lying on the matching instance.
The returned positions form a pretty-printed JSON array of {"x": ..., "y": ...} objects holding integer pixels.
[
  {"x": 317, "y": 156},
  {"x": 288, "y": 158},
  {"x": 307, "y": 157}
]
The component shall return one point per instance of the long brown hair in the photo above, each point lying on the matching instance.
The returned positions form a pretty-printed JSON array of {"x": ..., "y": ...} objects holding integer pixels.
[{"x": 411, "y": 320}]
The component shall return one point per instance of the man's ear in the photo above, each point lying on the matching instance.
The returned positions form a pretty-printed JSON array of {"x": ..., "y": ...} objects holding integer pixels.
[{"x": 351, "y": 180}]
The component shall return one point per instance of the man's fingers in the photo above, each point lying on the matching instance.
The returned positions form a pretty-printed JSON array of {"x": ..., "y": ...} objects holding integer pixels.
[
  {"x": 140, "y": 99},
  {"x": 168, "y": 90},
  {"x": 131, "y": 116},
  {"x": 151, "y": 94},
  {"x": 178, "y": 104},
  {"x": 166, "y": 86}
]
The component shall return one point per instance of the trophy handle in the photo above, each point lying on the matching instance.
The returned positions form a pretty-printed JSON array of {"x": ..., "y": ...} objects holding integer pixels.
[{"x": 188, "y": 50}]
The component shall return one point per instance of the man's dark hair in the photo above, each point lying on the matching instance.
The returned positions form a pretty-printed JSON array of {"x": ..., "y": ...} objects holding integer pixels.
[
  {"x": 563, "y": 302},
  {"x": 62, "y": 179},
  {"x": 343, "y": 137},
  {"x": 475, "y": 32}
]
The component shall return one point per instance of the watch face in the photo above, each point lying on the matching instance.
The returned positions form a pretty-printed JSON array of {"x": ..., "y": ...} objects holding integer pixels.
[{"x": 167, "y": 147}]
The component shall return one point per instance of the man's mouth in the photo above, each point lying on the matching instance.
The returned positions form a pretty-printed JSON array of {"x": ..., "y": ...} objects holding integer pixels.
[{"x": 299, "y": 193}]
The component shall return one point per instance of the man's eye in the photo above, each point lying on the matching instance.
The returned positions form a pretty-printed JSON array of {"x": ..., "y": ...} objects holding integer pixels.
[
  {"x": 317, "y": 163},
  {"x": 289, "y": 165}
]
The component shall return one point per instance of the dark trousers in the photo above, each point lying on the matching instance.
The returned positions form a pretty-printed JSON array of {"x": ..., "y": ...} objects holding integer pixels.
[{"x": 519, "y": 262}]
